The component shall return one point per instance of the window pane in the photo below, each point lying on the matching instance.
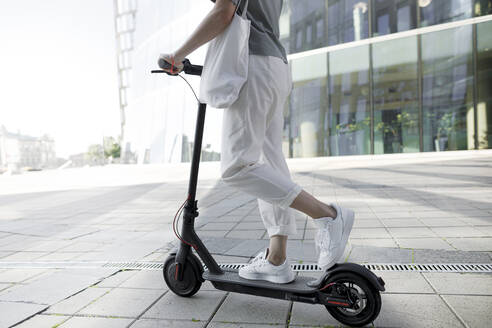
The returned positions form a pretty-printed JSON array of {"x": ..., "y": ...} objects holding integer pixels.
[
  {"x": 391, "y": 16},
  {"x": 320, "y": 28},
  {"x": 347, "y": 21},
  {"x": 396, "y": 126},
  {"x": 309, "y": 35},
  {"x": 482, "y": 7},
  {"x": 442, "y": 11},
  {"x": 302, "y": 16},
  {"x": 308, "y": 103},
  {"x": 349, "y": 113},
  {"x": 448, "y": 90},
  {"x": 284, "y": 26},
  {"x": 484, "y": 68},
  {"x": 318, "y": 23},
  {"x": 404, "y": 19},
  {"x": 299, "y": 40},
  {"x": 383, "y": 24}
]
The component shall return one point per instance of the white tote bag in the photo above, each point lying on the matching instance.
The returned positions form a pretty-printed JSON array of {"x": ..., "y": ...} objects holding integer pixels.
[{"x": 226, "y": 64}]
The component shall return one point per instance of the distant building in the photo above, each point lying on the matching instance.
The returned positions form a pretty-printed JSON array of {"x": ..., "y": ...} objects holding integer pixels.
[
  {"x": 79, "y": 160},
  {"x": 19, "y": 151}
]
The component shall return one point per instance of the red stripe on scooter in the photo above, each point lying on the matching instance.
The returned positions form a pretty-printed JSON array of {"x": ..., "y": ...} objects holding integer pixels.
[
  {"x": 338, "y": 303},
  {"x": 176, "y": 272},
  {"x": 327, "y": 286}
]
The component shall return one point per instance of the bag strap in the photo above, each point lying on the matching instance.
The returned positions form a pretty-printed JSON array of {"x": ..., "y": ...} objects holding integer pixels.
[{"x": 245, "y": 8}]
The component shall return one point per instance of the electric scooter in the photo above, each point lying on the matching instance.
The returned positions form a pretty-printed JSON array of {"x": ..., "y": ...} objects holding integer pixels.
[{"x": 350, "y": 292}]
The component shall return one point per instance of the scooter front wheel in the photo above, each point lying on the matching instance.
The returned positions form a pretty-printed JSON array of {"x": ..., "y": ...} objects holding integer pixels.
[
  {"x": 190, "y": 282},
  {"x": 365, "y": 298}
]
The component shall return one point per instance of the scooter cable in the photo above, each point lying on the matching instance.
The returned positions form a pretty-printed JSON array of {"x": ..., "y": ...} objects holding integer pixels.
[
  {"x": 192, "y": 90},
  {"x": 174, "y": 220},
  {"x": 175, "y": 223},
  {"x": 178, "y": 213}
]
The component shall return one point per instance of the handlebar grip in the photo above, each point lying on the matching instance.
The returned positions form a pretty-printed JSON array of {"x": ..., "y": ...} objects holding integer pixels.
[
  {"x": 192, "y": 69},
  {"x": 165, "y": 65},
  {"x": 188, "y": 68}
]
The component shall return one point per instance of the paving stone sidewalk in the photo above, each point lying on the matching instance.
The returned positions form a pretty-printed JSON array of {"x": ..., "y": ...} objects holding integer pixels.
[{"x": 409, "y": 210}]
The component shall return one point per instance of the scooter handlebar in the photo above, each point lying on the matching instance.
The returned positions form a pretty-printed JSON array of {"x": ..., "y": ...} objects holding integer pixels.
[
  {"x": 188, "y": 68},
  {"x": 192, "y": 69}
]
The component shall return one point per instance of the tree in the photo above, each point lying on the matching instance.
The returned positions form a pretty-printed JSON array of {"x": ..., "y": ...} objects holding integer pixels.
[
  {"x": 111, "y": 148},
  {"x": 95, "y": 154}
]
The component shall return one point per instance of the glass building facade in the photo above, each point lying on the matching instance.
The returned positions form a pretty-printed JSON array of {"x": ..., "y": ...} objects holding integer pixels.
[
  {"x": 387, "y": 76},
  {"x": 161, "y": 111},
  {"x": 370, "y": 77}
]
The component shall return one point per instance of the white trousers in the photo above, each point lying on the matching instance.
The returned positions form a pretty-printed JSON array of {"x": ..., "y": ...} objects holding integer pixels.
[{"x": 251, "y": 156}]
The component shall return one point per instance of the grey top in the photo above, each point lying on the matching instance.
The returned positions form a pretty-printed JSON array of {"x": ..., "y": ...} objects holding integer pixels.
[{"x": 264, "y": 35}]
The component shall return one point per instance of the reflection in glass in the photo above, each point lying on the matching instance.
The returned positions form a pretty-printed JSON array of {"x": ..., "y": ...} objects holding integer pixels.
[
  {"x": 448, "y": 90},
  {"x": 395, "y": 96},
  {"x": 391, "y": 16},
  {"x": 442, "y": 11},
  {"x": 319, "y": 23},
  {"x": 347, "y": 21},
  {"x": 284, "y": 26},
  {"x": 482, "y": 7},
  {"x": 349, "y": 114},
  {"x": 304, "y": 24},
  {"x": 308, "y": 103},
  {"x": 484, "y": 71}
]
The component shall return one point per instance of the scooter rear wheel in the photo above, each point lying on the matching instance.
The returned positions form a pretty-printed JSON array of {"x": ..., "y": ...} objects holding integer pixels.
[
  {"x": 190, "y": 283},
  {"x": 367, "y": 300}
]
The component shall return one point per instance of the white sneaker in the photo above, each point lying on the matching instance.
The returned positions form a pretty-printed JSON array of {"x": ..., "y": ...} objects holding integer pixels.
[
  {"x": 260, "y": 256},
  {"x": 261, "y": 269},
  {"x": 332, "y": 236}
]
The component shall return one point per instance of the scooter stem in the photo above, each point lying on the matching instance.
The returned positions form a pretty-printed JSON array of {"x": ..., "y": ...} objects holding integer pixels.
[{"x": 191, "y": 208}]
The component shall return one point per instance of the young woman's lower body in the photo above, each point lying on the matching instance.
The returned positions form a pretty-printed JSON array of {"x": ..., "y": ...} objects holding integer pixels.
[{"x": 253, "y": 162}]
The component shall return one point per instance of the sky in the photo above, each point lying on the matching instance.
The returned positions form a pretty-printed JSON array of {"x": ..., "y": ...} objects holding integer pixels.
[{"x": 58, "y": 72}]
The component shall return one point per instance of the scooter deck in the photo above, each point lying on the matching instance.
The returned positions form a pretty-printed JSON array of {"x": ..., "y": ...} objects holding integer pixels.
[{"x": 231, "y": 276}]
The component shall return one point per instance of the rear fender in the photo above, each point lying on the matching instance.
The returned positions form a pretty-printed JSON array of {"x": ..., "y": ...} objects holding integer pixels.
[{"x": 365, "y": 273}]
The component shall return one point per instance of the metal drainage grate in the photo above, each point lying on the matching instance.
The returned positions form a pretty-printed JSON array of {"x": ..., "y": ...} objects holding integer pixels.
[
  {"x": 307, "y": 267},
  {"x": 444, "y": 267},
  {"x": 134, "y": 265},
  {"x": 415, "y": 267}
]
